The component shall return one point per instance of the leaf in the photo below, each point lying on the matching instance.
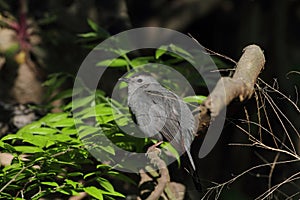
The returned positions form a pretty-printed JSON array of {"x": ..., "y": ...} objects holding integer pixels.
[
  {"x": 54, "y": 184},
  {"x": 170, "y": 148},
  {"x": 118, "y": 62},
  {"x": 62, "y": 138},
  {"x": 89, "y": 174},
  {"x": 122, "y": 120},
  {"x": 108, "y": 149},
  {"x": 161, "y": 51},
  {"x": 114, "y": 193},
  {"x": 98, "y": 110},
  {"x": 75, "y": 174},
  {"x": 54, "y": 117},
  {"x": 69, "y": 131},
  {"x": 43, "y": 131},
  {"x": 100, "y": 31},
  {"x": 8, "y": 147},
  {"x": 105, "y": 184},
  {"x": 93, "y": 25},
  {"x": 63, "y": 191},
  {"x": 195, "y": 99},
  {"x": 72, "y": 183},
  {"x": 28, "y": 149},
  {"x": 63, "y": 123},
  {"x": 87, "y": 35},
  {"x": 141, "y": 61},
  {"x": 9, "y": 137},
  {"x": 105, "y": 119},
  {"x": 82, "y": 102},
  {"x": 94, "y": 192},
  {"x": 65, "y": 94},
  {"x": 36, "y": 140},
  {"x": 87, "y": 131},
  {"x": 121, "y": 177},
  {"x": 180, "y": 51}
]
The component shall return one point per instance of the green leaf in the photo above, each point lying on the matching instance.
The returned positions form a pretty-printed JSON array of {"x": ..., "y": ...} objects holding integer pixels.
[
  {"x": 100, "y": 31},
  {"x": 62, "y": 138},
  {"x": 105, "y": 119},
  {"x": 63, "y": 191},
  {"x": 63, "y": 123},
  {"x": 36, "y": 140},
  {"x": 54, "y": 117},
  {"x": 10, "y": 137},
  {"x": 75, "y": 174},
  {"x": 118, "y": 62},
  {"x": 69, "y": 131},
  {"x": 141, "y": 61},
  {"x": 28, "y": 149},
  {"x": 87, "y": 35},
  {"x": 98, "y": 110},
  {"x": 87, "y": 130},
  {"x": 8, "y": 147},
  {"x": 105, "y": 184},
  {"x": 171, "y": 149},
  {"x": 122, "y": 121},
  {"x": 43, "y": 131},
  {"x": 88, "y": 175},
  {"x": 65, "y": 94},
  {"x": 82, "y": 102},
  {"x": 114, "y": 193},
  {"x": 121, "y": 177},
  {"x": 195, "y": 99},
  {"x": 161, "y": 51},
  {"x": 55, "y": 80},
  {"x": 93, "y": 25},
  {"x": 94, "y": 192},
  {"x": 180, "y": 51},
  {"x": 72, "y": 183},
  {"x": 54, "y": 184},
  {"x": 108, "y": 149},
  {"x": 103, "y": 166}
]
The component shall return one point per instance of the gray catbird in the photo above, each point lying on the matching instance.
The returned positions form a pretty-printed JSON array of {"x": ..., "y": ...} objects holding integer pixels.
[{"x": 162, "y": 115}]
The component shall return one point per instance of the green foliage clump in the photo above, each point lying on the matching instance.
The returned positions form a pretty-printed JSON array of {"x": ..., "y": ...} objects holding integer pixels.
[{"x": 51, "y": 160}]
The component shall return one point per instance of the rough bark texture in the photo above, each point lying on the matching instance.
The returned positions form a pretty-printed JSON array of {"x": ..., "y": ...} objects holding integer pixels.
[
  {"x": 164, "y": 188},
  {"x": 241, "y": 86}
]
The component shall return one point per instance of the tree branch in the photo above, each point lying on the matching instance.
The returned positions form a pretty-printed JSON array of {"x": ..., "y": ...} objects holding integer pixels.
[
  {"x": 241, "y": 85},
  {"x": 163, "y": 188}
]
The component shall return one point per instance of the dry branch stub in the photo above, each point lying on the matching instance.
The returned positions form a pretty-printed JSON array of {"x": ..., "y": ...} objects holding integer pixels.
[{"x": 241, "y": 85}]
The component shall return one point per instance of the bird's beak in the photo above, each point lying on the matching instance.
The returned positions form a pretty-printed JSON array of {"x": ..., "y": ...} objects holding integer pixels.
[{"x": 126, "y": 80}]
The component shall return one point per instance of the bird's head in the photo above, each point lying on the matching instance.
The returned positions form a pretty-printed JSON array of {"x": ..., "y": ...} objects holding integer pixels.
[{"x": 139, "y": 79}]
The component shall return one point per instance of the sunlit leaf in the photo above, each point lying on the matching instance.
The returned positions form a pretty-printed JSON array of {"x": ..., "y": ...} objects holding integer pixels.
[
  {"x": 94, "y": 192},
  {"x": 161, "y": 51},
  {"x": 28, "y": 149},
  {"x": 195, "y": 99},
  {"x": 50, "y": 184},
  {"x": 106, "y": 184},
  {"x": 118, "y": 62}
]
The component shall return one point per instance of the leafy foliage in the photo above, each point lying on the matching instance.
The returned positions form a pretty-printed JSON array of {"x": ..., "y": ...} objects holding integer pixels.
[{"x": 50, "y": 159}]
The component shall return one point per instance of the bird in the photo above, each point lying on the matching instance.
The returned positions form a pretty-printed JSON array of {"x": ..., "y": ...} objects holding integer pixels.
[{"x": 162, "y": 115}]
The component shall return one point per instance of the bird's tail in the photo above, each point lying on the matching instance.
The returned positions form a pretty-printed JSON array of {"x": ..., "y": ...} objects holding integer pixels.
[{"x": 194, "y": 171}]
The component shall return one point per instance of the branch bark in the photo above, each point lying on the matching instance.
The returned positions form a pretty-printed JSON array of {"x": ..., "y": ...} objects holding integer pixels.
[
  {"x": 241, "y": 85},
  {"x": 164, "y": 188}
]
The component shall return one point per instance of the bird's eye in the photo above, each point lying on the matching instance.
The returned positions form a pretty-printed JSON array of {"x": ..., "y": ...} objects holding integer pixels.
[{"x": 139, "y": 80}]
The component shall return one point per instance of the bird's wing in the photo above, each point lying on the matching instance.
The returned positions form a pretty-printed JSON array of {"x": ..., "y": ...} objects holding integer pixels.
[
  {"x": 170, "y": 103},
  {"x": 178, "y": 127}
]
